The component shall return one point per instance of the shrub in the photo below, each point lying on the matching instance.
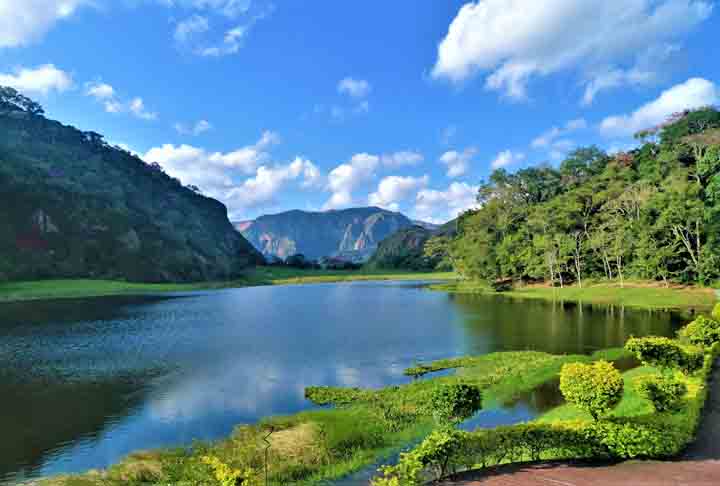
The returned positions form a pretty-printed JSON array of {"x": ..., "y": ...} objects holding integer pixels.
[
  {"x": 596, "y": 388},
  {"x": 666, "y": 353},
  {"x": 454, "y": 403},
  {"x": 663, "y": 391},
  {"x": 716, "y": 312},
  {"x": 228, "y": 476},
  {"x": 702, "y": 331}
]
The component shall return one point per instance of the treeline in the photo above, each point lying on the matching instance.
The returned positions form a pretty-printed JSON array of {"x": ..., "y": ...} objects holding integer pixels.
[{"x": 651, "y": 213}]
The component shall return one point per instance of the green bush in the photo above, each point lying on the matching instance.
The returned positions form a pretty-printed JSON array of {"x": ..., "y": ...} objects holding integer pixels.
[
  {"x": 666, "y": 353},
  {"x": 454, "y": 403},
  {"x": 716, "y": 312},
  {"x": 665, "y": 392},
  {"x": 596, "y": 388},
  {"x": 701, "y": 332}
]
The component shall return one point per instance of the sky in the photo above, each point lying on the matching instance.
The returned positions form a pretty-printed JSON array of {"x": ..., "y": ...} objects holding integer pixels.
[{"x": 271, "y": 105}]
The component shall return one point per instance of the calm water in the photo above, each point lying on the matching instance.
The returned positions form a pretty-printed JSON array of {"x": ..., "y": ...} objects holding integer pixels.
[{"x": 84, "y": 382}]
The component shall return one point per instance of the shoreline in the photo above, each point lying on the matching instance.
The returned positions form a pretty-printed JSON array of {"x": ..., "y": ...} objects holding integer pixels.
[
  {"x": 26, "y": 291},
  {"x": 635, "y": 294}
]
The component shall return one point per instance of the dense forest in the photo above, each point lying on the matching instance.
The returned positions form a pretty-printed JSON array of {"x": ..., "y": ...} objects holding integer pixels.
[
  {"x": 650, "y": 213},
  {"x": 76, "y": 207}
]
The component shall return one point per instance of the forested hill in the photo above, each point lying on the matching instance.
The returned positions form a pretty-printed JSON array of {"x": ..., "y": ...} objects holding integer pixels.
[
  {"x": 415, "y": 248},
  {"x": 73, "y": 206},
  {"x": 651, "y": 213},
  {"x": 351, "y": 234}
]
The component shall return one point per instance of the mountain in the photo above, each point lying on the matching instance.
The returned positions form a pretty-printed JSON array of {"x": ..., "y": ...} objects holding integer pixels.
[
  {"x": 405, "y": 249},
  {"x": 351, "y": 234},
  {"x": 75, "y": 207}
]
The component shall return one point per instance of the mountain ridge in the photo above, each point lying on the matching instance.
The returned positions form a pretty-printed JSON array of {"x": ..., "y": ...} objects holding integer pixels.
[
  {"x": 352, "y": 233},
  {"x": 84, "y": 209}
]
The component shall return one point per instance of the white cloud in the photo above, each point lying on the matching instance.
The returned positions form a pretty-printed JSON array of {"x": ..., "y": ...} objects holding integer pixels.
[
  {"x": 212, "y": 171},
  {"x": 357, "y": 88},
  {"x": 24, "y": 21},
  {"x": 693, "y": 93},
  {"x": 107, "y": 95},
  {"x": 38, "y": 81},
  {"x": 507, "y": 157},
  {"x": 516, "y": 40},
  {"x": 198, "y": 128},
  {"x": 345, "y": 178},
  {"x": 546, "y": 139},
  {"x": 441, "y": 206},
  {"x": 137, "y": 108},
  {"x": 99, "y": 90},
  {"x": 394, "y": 189},
  {"x": 458, "y": 162},
  {"x": 402, "y": 158},
  {"x": 187, "y": 28},
  {"x": 268, "y": 181}
]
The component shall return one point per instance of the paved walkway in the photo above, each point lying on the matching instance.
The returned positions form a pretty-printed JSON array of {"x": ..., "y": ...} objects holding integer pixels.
[{"x": 700, "y": 466}]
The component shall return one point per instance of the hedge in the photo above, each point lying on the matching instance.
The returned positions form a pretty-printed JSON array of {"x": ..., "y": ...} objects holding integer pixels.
[{"x": 657, "y": 436}]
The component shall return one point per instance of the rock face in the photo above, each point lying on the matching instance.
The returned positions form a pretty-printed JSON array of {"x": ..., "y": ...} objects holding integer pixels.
[
  {"x": 351, "y": 234},
  {"x": 73, "y": 206},
  {"x": 405, "y": 248}
]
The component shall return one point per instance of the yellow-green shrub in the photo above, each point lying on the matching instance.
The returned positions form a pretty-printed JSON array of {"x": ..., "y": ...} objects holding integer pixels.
[
  {"x": 701, "y": 332},
  {"x": 596, "y": 388},
  {"x": 455, "y": 403},
  {"x": 665, "y": 392},
  {"x": 666, "y": 353}
]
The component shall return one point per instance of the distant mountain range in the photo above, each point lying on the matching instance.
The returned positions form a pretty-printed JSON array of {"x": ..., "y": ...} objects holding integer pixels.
[{"x": 352, "y": 234}]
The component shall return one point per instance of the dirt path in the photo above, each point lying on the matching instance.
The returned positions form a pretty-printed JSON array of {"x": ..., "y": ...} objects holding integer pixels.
[{"x": 700, "y": 466}]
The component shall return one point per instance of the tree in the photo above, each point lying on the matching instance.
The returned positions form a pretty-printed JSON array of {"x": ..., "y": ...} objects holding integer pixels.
[
  {"x": 595, "y": 388},
  {"x": 11, "y": 98}
]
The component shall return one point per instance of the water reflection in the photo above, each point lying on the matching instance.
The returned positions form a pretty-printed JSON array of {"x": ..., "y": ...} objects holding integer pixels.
[{"x": 83, "y": 383}]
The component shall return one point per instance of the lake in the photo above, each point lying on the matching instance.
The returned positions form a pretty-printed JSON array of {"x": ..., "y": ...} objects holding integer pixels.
[{"x": 85, "y": 382}]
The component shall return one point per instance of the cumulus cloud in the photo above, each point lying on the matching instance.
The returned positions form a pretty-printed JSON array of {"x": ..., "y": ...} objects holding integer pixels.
[
  {"x": 198, "y": 128},
  {"x": 25, "y": 21},
  {"x": 693, "y": 93},
  {"x": 227, "y": 8},
  {"x": 99, "y": 90},
  {"x": 268, "y": 181},
  {"x": 516, "y": 40},
  {"x": 107, "y": 95},
  {"x": 458, "y": 162},
  {"x": 346, "y": 177},
  {"x": 357, "y": 88},
  {"x": 402, "y": 158},
  {"x": 38, "y": 81},
  {"x": 393, "y": 190},
  {"x": 441, "y": 206},
  {"x": 507, "y": 157},
  {"x": 212, "y": 171}
]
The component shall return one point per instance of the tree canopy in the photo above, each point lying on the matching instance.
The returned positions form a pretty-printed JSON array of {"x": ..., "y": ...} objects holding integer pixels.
[{"x": 651, "y": 213}]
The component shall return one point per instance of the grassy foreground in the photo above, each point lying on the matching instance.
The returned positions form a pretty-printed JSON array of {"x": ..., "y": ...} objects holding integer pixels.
[
  {"x": 60, "y": 289},
  {"x": 636, "y": 294},
  {"x": 362, "y": 427}
]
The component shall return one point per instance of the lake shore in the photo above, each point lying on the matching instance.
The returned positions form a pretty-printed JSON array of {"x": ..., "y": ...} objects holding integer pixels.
[
  {"x": 634, "y": 294},
  {"x": 80, "y": 288}
]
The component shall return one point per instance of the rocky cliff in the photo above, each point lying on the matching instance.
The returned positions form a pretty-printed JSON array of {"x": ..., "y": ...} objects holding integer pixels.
[
  {"x": 73, "y": 206},
  {"x": 350, "y": 233}
]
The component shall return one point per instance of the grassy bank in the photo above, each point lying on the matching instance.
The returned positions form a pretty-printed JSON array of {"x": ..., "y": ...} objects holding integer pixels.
[
  {"x": 362, "y": 427},
  {"x": 60, "y": 289},
  {"x": 636, "y": 294}
]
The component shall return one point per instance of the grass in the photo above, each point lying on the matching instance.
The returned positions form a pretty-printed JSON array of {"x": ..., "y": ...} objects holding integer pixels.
[
  {"x": 636, "y": 294},
  {"x": 77, "y": 288},
  {"x": 365, "y": 426}
]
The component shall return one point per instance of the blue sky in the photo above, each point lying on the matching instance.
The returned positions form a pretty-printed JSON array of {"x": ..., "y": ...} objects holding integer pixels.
[{"x": 406, "y": 104}]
